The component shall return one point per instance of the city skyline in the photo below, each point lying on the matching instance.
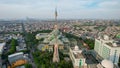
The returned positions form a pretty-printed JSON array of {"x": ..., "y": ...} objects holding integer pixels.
[{"x": 67, "y": 9}]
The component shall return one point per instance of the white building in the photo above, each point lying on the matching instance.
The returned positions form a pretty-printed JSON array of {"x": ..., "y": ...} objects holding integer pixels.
[
  {"x": 2, "y": 47},
  {"x": 106, "y": 64},
  {"x": 107, "y": 49},
  {"x": 77, "y": 58},
  {"x": 15, "y": 57},
  {"x": 41, "y": 35}
]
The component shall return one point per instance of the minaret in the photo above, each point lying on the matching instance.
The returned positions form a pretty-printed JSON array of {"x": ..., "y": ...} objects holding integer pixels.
[
  {"x": 56, "y": 14},
  {"x": 56, "y": 53}
]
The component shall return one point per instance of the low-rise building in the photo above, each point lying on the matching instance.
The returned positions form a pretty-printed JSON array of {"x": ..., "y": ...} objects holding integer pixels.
[
  {"x": 17, "y": 59},
  {"x": 41, "y": 35},
  {"x": 21, "y": 43},
  {"x": 2, "y": 45}
]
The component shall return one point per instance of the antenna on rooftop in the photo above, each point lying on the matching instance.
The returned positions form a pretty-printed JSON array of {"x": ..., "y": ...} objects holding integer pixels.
[
  {"x": 56, "y": 14},
  {"x": 56, "y": 26}
]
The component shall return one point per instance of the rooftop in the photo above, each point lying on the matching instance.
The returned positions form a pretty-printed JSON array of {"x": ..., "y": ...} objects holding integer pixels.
[
  {"x": 2, "y": 44},
  {"x": 16, "y": 57},
  {"x": 78, "y": 55},
  {"x": 20, "y": 53},
  {"x": 56, "y": 34},
  {"x": 112, "y": 45}
]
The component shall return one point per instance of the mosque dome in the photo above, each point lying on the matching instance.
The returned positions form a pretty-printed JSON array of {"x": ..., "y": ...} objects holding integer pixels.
[
  {"x": 107, "y": 64},
  {"x": 76, "y": 48},
  {"x": 106, "y": 37}
]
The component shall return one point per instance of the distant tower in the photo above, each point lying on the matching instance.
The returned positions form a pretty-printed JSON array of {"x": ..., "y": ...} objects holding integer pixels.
[{"x": 56, "y": 53}]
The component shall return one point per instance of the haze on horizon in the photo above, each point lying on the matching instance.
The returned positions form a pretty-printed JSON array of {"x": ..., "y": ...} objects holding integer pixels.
[{"x": 67, "y": 9}]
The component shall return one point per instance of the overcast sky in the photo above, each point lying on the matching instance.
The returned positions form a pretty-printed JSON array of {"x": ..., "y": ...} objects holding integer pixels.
[{"x": 67, "y": 9}]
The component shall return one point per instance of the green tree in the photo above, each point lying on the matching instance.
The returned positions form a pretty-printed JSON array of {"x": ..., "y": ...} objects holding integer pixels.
[
  {"x": 119, "y": 62},
  {"x": 90, "y": 43},
  {"x": 28, "y": 66},
  {"x": 13, "y": 44}
]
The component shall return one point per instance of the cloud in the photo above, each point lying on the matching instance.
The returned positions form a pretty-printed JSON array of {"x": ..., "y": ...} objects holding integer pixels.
[
  {"x": 110, "y": 4},
  {"x": 66, "y": 8}
]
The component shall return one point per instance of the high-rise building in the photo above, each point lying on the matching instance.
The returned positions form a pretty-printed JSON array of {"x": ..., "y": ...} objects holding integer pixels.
[{"x": 107, "y": 49}]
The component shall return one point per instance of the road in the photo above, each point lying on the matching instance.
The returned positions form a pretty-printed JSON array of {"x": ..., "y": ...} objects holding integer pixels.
[
  {"x": 4, "y": 54},
  {"x": 0, "y": 62},
  {"x": 31, "y": 57},
  {"x": 31, "y": 49}
]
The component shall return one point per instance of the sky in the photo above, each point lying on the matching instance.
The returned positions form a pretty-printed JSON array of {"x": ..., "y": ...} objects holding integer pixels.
[{"x": 67, "y": 9}]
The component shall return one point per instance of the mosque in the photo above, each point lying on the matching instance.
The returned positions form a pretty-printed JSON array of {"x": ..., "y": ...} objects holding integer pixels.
[
  {"x": 50, "y": 40},
  {"x": 53, "y": 41},
  {"x": 55, "y": 37}
]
